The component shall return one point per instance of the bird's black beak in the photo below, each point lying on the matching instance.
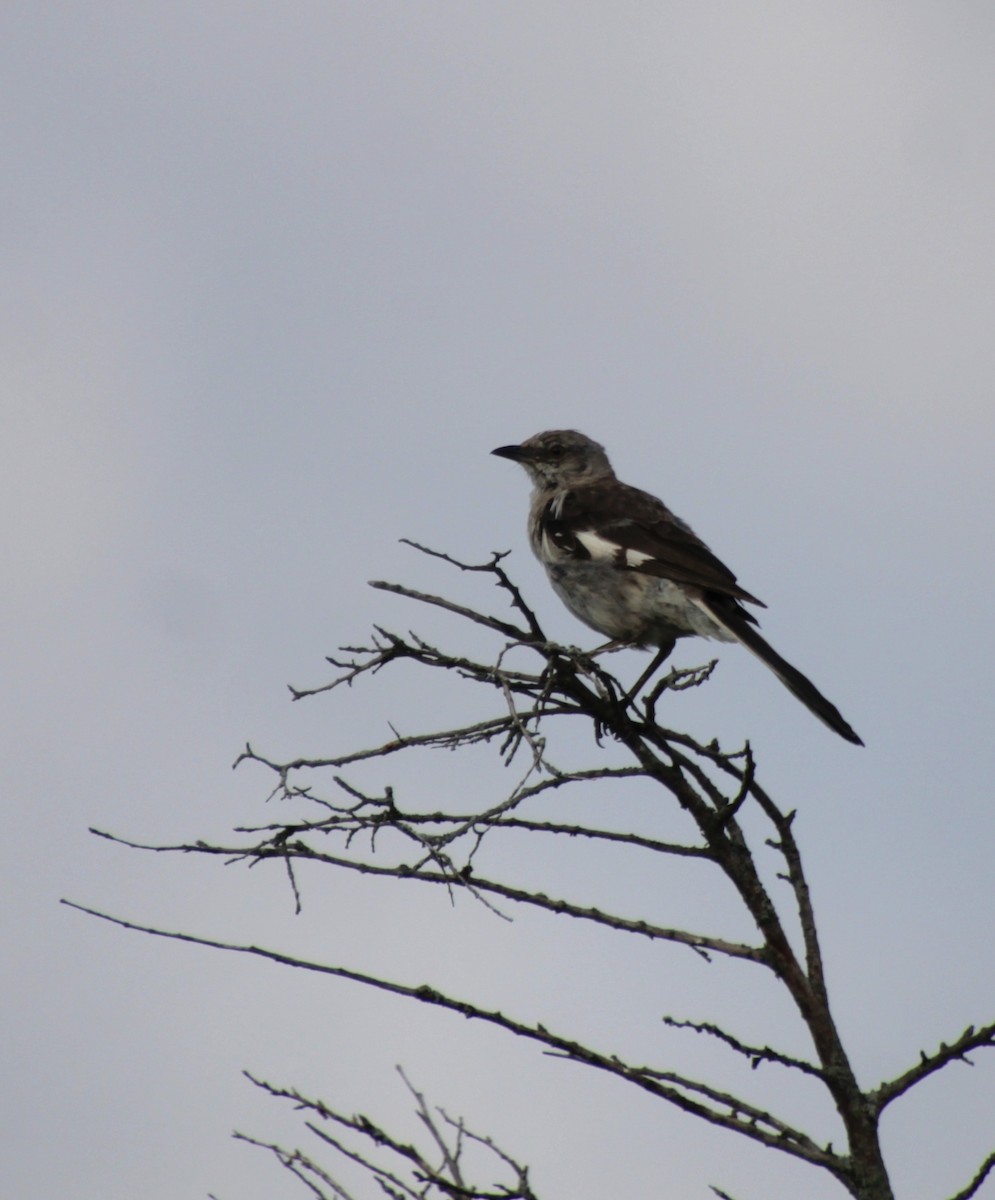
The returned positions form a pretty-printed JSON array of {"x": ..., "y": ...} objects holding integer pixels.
[{"x": 515, "y": 453}]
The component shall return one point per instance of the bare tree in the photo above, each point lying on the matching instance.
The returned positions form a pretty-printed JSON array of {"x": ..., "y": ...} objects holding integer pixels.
[{"x": 344, "y": 827}]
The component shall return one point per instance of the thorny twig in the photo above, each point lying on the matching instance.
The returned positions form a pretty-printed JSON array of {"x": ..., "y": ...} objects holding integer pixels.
[{"x": 413, "y": 1172}]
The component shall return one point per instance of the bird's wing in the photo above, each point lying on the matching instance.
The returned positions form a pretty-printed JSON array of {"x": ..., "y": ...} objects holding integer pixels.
[
  {"x": 633, "y": 531},
  {"x": 637, "y": 532}
]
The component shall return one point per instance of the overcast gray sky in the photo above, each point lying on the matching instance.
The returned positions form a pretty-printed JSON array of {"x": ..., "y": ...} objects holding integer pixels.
[{"x": 276, "y": 279}]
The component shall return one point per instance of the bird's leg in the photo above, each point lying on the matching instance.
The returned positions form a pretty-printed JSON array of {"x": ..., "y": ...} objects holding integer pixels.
[{"x": 659, "y": 659}]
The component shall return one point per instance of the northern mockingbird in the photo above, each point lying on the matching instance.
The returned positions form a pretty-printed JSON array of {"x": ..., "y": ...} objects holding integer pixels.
[{"x": 621, "y": 561}]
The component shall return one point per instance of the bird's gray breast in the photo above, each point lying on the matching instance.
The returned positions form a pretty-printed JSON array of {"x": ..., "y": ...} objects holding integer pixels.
[{"x": 629, "y": 606}]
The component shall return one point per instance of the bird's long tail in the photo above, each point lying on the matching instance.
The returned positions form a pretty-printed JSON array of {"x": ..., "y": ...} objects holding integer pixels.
[{"x": 726, "y": 613}]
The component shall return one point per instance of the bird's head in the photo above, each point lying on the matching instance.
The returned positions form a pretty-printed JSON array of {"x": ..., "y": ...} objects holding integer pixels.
[{"x": 560, "y": 458}]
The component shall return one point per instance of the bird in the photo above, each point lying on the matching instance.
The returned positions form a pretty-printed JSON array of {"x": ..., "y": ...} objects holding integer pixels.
[{"x": 630, "y": 569}]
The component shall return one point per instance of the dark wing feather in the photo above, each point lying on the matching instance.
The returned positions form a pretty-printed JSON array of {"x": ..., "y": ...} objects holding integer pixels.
[{"x": 638, "y": 521}]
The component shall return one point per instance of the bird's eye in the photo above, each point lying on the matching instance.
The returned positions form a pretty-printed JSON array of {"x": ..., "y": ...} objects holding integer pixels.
[{"x": 555, "y": 451}]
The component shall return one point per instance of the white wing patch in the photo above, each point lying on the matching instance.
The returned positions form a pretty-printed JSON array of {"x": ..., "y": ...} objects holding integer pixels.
[{"x": 602, "y": 549}]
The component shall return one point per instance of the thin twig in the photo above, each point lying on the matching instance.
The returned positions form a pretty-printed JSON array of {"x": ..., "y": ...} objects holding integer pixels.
[
  {"x": 956, "y": 1051},
  {"x": 983, "y": 1172},
  {"x": 756, "y": 1054}
]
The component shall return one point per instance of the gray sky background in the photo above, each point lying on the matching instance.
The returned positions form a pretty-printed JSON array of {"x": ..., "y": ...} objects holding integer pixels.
[{"x": 276, "y": 279}]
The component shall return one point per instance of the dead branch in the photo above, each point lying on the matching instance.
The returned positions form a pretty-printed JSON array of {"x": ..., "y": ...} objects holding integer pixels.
[
  {"x": 413, "y": 1172},
  {"x": 956, "y": 1051},
  {"x": 755, "y": 1054},
  {"x": 710, "y": 1104}
]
